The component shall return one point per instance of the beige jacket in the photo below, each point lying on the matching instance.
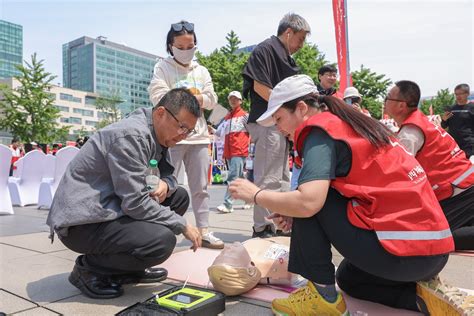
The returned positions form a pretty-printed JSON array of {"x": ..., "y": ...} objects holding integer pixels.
[{"x": 168, "y": 74}]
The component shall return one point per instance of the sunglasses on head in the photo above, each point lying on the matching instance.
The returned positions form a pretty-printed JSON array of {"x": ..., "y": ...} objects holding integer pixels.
[{"x": 178, "y": 27}]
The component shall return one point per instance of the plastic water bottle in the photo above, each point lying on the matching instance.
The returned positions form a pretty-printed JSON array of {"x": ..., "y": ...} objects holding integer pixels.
[{"x": 152, "y": 175}]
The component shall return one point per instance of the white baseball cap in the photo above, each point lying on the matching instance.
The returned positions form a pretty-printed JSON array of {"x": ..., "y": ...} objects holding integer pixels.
[
  {"x": 235, "y": 94},
  {"x": 286, "y": 90},
  {"x": 351, "y": 92}
]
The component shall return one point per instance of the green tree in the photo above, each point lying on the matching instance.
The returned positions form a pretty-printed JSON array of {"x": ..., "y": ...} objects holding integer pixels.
[
  {"x": 442, "y": 99},
  {"x": 372, "y": 87},
  {"x": 225, "y": 66},
  {"x": 233, "y": 43},
  {"x": 28, "y": 110},
  {"x": 309, "y": 59},
  {"x": 109, "y": 106}
]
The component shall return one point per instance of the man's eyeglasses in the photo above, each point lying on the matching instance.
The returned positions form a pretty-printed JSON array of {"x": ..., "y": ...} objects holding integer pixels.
[
  {"x": 390, "y": 99},
  {"x": 331, "y": 75},
  {"x": 178, "y": 27},
  {"x": 182, "y": 130}
]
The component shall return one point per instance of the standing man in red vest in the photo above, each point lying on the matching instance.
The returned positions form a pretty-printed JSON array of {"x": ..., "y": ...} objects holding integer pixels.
[
  {"x": 450, "y": 173},
  {"x": 236, "y": 144}
]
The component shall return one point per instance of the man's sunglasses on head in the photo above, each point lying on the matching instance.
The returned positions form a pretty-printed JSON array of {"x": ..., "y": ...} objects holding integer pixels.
[{"x": 178, "y": 27}]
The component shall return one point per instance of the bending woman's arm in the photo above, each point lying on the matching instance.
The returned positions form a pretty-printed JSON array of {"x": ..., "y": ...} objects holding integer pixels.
[{"x": 304, "y": 202}]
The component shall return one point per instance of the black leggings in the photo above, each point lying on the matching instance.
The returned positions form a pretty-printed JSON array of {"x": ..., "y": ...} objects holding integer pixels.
[
  {"x": 126, "y": 245},
  {"x": 368, "y": 271},
  {"x": 459, "y": 211}
]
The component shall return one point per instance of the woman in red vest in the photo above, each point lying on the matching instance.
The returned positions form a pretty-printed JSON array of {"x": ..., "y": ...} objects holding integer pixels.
[{"x": 360, "y": 191}]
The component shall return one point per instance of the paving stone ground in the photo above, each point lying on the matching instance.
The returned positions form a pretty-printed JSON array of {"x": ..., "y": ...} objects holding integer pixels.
[{"x": 33, "y": 274}]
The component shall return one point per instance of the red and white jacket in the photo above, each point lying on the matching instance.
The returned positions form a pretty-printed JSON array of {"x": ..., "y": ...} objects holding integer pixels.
[
  {"x": 445, "y": 163},
  {"x": 389, "y": 192},
  {"x": 236, "y": 141}
]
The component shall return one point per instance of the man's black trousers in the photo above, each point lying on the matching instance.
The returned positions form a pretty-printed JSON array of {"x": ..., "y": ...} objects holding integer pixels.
[{"x": 126, "y": 245}]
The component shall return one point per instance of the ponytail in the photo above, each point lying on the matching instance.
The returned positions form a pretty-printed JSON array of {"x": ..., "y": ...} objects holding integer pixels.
[{"x": 370, "y": 129}]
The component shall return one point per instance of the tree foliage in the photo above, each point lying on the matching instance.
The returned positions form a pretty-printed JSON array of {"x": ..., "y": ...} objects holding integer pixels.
[
  {"x": 372, "y": 87},
  {"x": 109, "y": 106},
  {"x": 225, "y": 66},
  {"x": 442, "y": 99},
  {"x": 28, "y": 110},
  {"x": 309, "y": 59}
]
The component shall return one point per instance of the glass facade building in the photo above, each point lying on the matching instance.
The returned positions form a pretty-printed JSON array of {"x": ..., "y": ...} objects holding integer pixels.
[
  {"x": 11, "y": 48},
  {"x": 107, "y": 69}
]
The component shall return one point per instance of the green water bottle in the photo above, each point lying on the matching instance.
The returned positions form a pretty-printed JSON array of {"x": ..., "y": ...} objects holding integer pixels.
[{"x": 152, "y": 177}]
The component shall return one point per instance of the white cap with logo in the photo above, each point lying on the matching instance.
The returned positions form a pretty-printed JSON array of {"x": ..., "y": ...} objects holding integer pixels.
[
  {"x": 235, "y": 94},
  {"x": 286, "y": 90}
]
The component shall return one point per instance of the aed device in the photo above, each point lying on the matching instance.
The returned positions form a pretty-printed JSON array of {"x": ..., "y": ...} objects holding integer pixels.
[{"x": 189, "y": 301}]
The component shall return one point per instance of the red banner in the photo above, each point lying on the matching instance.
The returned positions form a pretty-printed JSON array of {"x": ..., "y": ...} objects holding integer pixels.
[{"x": 341, "y": 44}]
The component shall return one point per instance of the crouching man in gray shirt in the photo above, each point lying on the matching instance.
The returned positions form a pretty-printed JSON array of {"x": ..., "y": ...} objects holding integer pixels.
[{"x": 104, "y": 210}]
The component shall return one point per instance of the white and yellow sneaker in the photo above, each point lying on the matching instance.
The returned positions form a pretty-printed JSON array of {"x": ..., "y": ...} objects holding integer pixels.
[{"x": 442, "y": 299}]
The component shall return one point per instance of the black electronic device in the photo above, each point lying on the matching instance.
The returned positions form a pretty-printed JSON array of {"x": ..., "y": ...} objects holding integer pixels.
[{"x": 186, "y": 301}]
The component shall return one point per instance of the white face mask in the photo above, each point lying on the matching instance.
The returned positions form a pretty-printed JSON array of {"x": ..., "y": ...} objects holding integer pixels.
[{"x": 183, "y": 56}]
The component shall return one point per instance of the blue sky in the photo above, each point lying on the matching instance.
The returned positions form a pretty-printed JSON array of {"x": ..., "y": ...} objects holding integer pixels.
[{"x": 430, "y": 42}]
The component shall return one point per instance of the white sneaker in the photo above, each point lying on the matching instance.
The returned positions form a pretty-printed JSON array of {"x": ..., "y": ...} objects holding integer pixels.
[
  {"x": 248, "y": 206},
  {"x": 224, "y": 209},
  {"x": 211, "y": 241}
]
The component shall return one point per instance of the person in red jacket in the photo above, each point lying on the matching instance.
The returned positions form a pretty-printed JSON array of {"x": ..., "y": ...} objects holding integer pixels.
[
  {"x": 450, "y": 173},
  {"x": 235, "y": 144},
  {"x": 361, "y": 192}
]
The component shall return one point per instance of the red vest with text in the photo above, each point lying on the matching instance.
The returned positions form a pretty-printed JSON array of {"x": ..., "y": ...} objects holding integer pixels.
[
  {"x": 388, "y": 191},
  {"x": 445, "y": 163}
]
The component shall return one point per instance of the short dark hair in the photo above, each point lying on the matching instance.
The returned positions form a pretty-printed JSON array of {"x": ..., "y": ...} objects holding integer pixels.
[
  {"x": 326, "y": 68},
  {"x": 176, "y": 99},
  {"x": 15, "y": 140},
  {"x": 410, "y": 92},
  {"x": 172, "y": 34},
  {"x": 464, "y": 87}
]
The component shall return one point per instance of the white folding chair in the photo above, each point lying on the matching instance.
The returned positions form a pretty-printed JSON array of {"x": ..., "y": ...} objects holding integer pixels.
[
  {"x": 24, "y": 188},
  {"x": 49, "y": 184},
  {"x": 5, "y": 160}
]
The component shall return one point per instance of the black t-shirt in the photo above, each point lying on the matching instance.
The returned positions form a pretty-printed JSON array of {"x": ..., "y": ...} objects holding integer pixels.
[
  {"x": 461, "y": 125},
  {"x": 324, "y": 157},
  {"x": 268, "y": 64}
]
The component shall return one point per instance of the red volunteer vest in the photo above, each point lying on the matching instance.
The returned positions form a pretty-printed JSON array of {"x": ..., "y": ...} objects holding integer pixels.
[
  {"x": 388, "y": 192},
  {"x": 445, "y": 163}
]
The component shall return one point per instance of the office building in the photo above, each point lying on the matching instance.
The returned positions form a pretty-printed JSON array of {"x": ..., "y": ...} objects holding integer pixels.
[
  {"x": 11, "y": 48},
  {"x": 77, "y": 110},
  {"x": 109, "y": 69}
]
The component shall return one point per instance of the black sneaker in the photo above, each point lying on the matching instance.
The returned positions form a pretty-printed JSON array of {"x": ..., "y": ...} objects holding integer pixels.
[{"x": 267, "y": 232}]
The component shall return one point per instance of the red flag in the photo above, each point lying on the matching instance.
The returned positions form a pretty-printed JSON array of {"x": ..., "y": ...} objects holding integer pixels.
[
  {"x": 431, "y": 109},
  {"x": 339, "y": 12}
]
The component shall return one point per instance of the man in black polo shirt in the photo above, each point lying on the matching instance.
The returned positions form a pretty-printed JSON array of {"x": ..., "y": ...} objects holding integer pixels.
[
  {"x": 270, "y": 63},
  {"x": 459, "y": 119}
]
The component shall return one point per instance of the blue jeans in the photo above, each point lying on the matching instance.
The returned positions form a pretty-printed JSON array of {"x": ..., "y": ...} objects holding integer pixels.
[
  {"x": 295, "y": 174},
  {"x": 236, "y": 170}
]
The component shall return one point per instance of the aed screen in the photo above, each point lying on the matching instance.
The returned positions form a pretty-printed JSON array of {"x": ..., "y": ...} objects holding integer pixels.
[{"x": 184, "y": 298}]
